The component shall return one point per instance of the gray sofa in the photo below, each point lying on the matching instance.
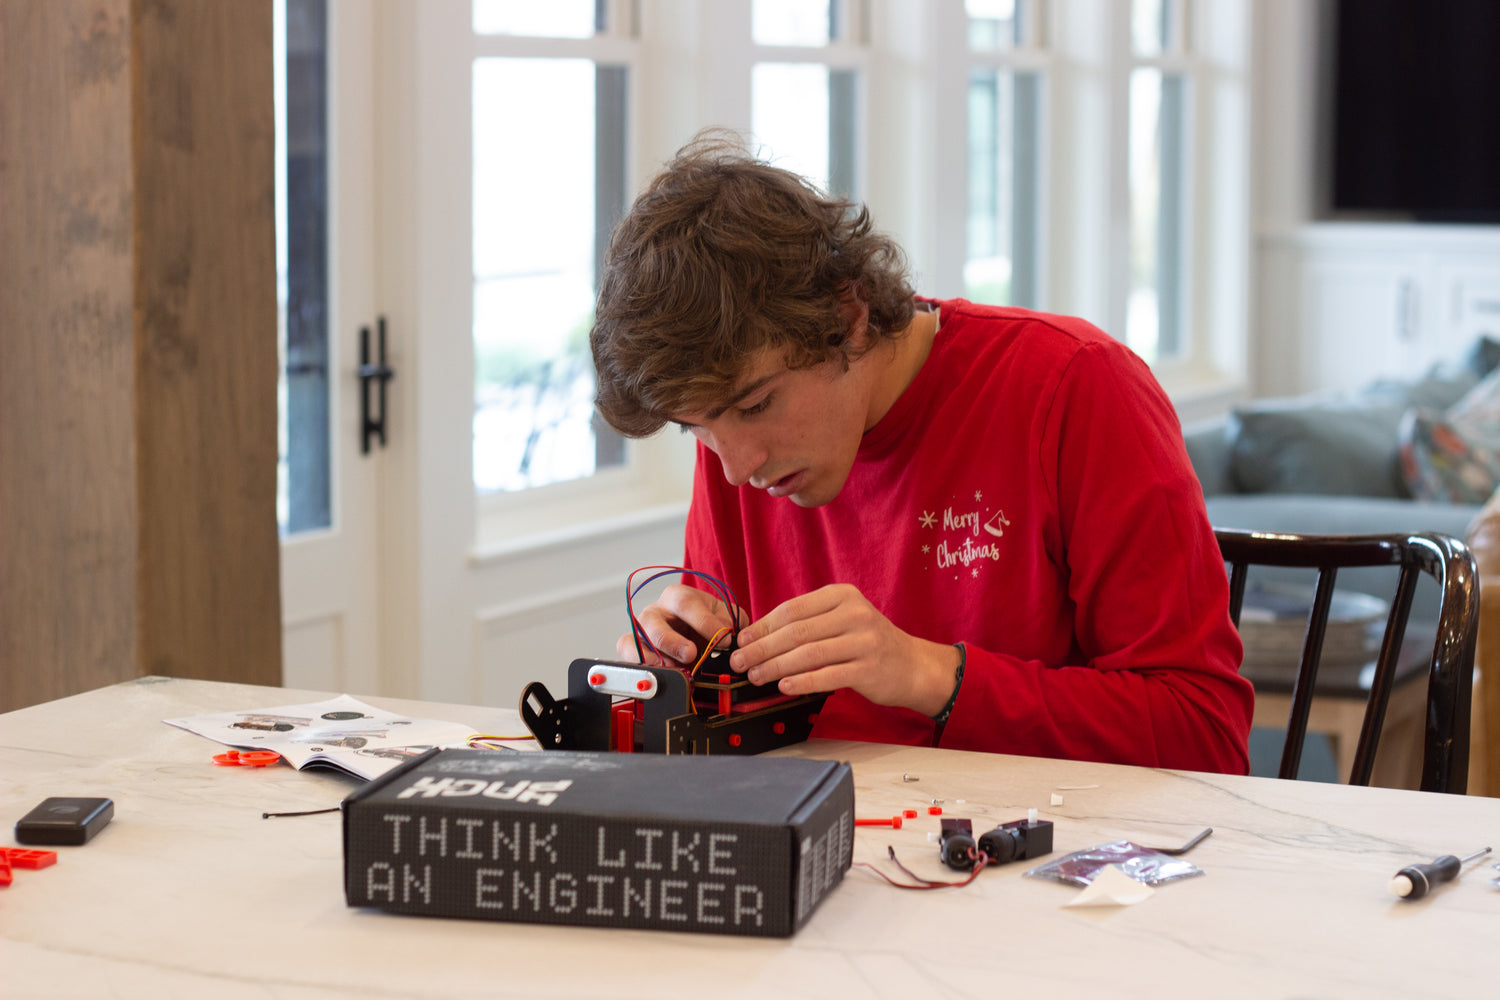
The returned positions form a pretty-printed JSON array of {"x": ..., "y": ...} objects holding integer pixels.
[{"x": 1330, "y": 463}]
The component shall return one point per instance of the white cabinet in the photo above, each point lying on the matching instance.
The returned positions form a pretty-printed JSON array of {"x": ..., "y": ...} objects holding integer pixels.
[
  {"x": 1359, "y": 318},
  {"x": 1344, "y": 303}
]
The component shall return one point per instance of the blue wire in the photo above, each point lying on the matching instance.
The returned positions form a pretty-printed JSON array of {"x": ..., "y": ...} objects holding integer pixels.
[{"x": 636, "y": 632}]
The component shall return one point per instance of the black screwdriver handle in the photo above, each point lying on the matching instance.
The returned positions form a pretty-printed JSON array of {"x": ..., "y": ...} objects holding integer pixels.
[
  {"x": 1416, "y": 881},
  {"x": 1421, "y": 878}
]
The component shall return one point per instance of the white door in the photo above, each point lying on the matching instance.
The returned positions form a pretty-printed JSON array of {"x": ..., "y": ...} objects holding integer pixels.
[
  {"x": 484, "y": 546},
  {"x": 326, "y": 210}
]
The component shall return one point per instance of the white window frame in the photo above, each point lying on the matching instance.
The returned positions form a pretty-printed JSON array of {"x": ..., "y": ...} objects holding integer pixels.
[
  {"x": 1209, "y": 47},
  {"x": 655, "y": 477},
  {"x": 1031, "y": 54},
  {"x": 1088, "y": 259},
  {"x": 1176, "y": 59}
]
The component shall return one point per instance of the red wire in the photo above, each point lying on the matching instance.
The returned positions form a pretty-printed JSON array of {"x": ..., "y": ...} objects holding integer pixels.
[
  {"x": 731, "y": 605},
  {"x": 926, "y": 883}
]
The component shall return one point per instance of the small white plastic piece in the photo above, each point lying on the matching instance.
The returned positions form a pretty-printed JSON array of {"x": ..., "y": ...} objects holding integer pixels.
[
  {"x": 1400, "y": 886},
  {"x": 1031, "y": 816},
  {"x": 626, "y": 682},
  {"x": 1057, "y": 800}
]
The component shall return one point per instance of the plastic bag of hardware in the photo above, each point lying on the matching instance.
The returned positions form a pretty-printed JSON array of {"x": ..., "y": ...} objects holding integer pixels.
[{"x": 1143, "y": 864}]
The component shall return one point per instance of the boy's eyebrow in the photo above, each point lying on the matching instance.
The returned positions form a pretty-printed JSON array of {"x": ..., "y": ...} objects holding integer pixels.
[{"x": 749, "y": 389}]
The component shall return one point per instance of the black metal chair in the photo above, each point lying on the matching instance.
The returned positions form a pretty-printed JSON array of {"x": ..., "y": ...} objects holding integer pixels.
[{"x": 1445, "y": 752}]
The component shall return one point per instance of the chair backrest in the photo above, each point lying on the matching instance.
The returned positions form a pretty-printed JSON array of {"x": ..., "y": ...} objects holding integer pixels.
[{"x": 1445, "y": 750}]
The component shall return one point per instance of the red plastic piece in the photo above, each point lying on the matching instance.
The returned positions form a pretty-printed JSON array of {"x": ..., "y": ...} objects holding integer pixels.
[
  {"x": 23, "y": 857},
  {"x": 778, "y": 728},
  {"x": 872, "y": 822},
  {"x": 895, "y": 822},
  {"x": 596, "y": 679},
  {"x": 258, "y": 758},
  {"x": 909, "y": 813},
  {"x": 934, "y": 810},
  {"x": 724, "y": 696},
  {"x": 643, "y": 685},
  {"x": 246, "y": 758},
  {"x": 625, "y": 727},
  {"x": 734, "y": 739}
]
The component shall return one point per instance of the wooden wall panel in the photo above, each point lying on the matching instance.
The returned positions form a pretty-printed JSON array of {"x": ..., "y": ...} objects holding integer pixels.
[
  {"x": 206, "y": 332},
  {"x": 67, "y": 445},
  {"x": 137, "y": 345}
]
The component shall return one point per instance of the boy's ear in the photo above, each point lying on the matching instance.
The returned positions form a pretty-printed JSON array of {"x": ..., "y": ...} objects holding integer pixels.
[{"x": 856, "y": 313}]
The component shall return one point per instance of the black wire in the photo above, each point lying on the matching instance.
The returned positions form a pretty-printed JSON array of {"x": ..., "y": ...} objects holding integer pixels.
[{"x": 309, "y": 812}]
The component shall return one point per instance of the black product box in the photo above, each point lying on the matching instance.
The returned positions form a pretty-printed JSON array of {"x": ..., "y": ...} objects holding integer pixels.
[{"x": 719, "y": 844}]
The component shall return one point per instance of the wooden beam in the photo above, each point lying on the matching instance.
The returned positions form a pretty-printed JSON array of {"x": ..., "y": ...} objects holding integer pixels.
[
  {"x": 137, "y": 345},
  {"x": 205, "y": 311}
]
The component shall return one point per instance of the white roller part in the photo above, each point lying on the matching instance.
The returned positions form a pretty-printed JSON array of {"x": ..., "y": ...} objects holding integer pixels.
[{"x": 625, "y": 682}]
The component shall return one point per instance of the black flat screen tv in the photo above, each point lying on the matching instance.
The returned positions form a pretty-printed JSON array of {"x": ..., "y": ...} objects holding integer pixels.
[{"x": 1416, "y": 109}]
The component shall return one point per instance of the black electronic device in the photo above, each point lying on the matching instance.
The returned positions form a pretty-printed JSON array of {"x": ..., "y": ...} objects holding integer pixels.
[
  {"x": 66, "y": 821},
  {"x": 1015, "y": 841},
  {"x": 1020, "y": 840},
  {"x": 956, "y": 844},
  {"x": 634, "y": 707}
]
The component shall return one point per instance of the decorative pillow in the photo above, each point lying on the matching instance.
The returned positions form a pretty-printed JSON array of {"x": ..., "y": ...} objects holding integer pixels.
[
  {"x": 1455, "y": 456},
  {"x": 1332, "y": 446}
]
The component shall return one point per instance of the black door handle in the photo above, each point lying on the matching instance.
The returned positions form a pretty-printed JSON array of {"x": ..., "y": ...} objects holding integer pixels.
[{"x": 372, "y": 424}]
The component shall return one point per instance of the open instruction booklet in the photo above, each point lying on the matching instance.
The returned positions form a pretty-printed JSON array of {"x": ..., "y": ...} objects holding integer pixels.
[{"x": 342, "y": 733}]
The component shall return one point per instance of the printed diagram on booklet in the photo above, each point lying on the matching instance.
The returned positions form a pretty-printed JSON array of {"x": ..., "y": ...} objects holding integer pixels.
[{"x": 342, "y": 733}]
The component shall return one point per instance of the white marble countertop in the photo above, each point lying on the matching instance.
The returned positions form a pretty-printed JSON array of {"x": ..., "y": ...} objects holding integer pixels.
[{"x": 190, "y": 893}]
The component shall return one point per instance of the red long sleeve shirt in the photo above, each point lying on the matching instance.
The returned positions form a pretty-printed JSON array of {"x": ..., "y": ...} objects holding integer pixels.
[{"x": 1028, "y": 495}]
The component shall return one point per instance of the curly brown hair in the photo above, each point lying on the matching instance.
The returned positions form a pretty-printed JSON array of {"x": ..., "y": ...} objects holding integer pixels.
[{"x": 723, "y": 255}]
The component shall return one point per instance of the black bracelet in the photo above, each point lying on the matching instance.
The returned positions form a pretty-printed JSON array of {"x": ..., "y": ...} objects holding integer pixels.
[{"x": 958, "y": 680}]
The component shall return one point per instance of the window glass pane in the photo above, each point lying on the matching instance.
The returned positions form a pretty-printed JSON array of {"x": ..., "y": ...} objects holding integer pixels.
[
  {"x": 1148, "y": 26},
  {"x": 303, "y": 501},
  {"x": 993, "y": 24},
  {"x": 793, "y": 22},
  {"x": 1157, "y": 198},
  {"x": 539, "y": 18},
  {"x": 539, "y": 225},
  {"x": 790, "y": 117},
  {"x": 1004, "y": 197}
]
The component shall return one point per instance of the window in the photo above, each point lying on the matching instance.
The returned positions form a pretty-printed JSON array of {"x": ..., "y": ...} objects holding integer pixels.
[
  {"x": 1006, "y": 72},
  {"x": 804, "y": 88},
  {"x": 1038, "y": 153},
  {"x": 548, "y": 185},
  {"x": 1159, "y": 80},
  {"x": 303, "y": 474}
]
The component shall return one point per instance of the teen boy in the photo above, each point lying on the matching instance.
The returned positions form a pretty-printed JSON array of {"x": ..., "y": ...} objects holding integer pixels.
[{"x": 974, "y": 525}]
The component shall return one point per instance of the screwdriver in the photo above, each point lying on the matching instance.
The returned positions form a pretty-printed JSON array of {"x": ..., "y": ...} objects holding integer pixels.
[{"x": 1415, "y": 881}]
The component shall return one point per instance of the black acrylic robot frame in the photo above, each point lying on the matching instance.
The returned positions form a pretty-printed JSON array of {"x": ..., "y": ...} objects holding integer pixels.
[{"x": 632, "y": 707}]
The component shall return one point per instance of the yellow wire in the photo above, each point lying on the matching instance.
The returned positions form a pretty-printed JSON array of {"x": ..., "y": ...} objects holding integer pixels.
[
  {"x": 692, "y": 703},
  {"x": 478, "y": 739},
  {"x": 708, "y": 649}
]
